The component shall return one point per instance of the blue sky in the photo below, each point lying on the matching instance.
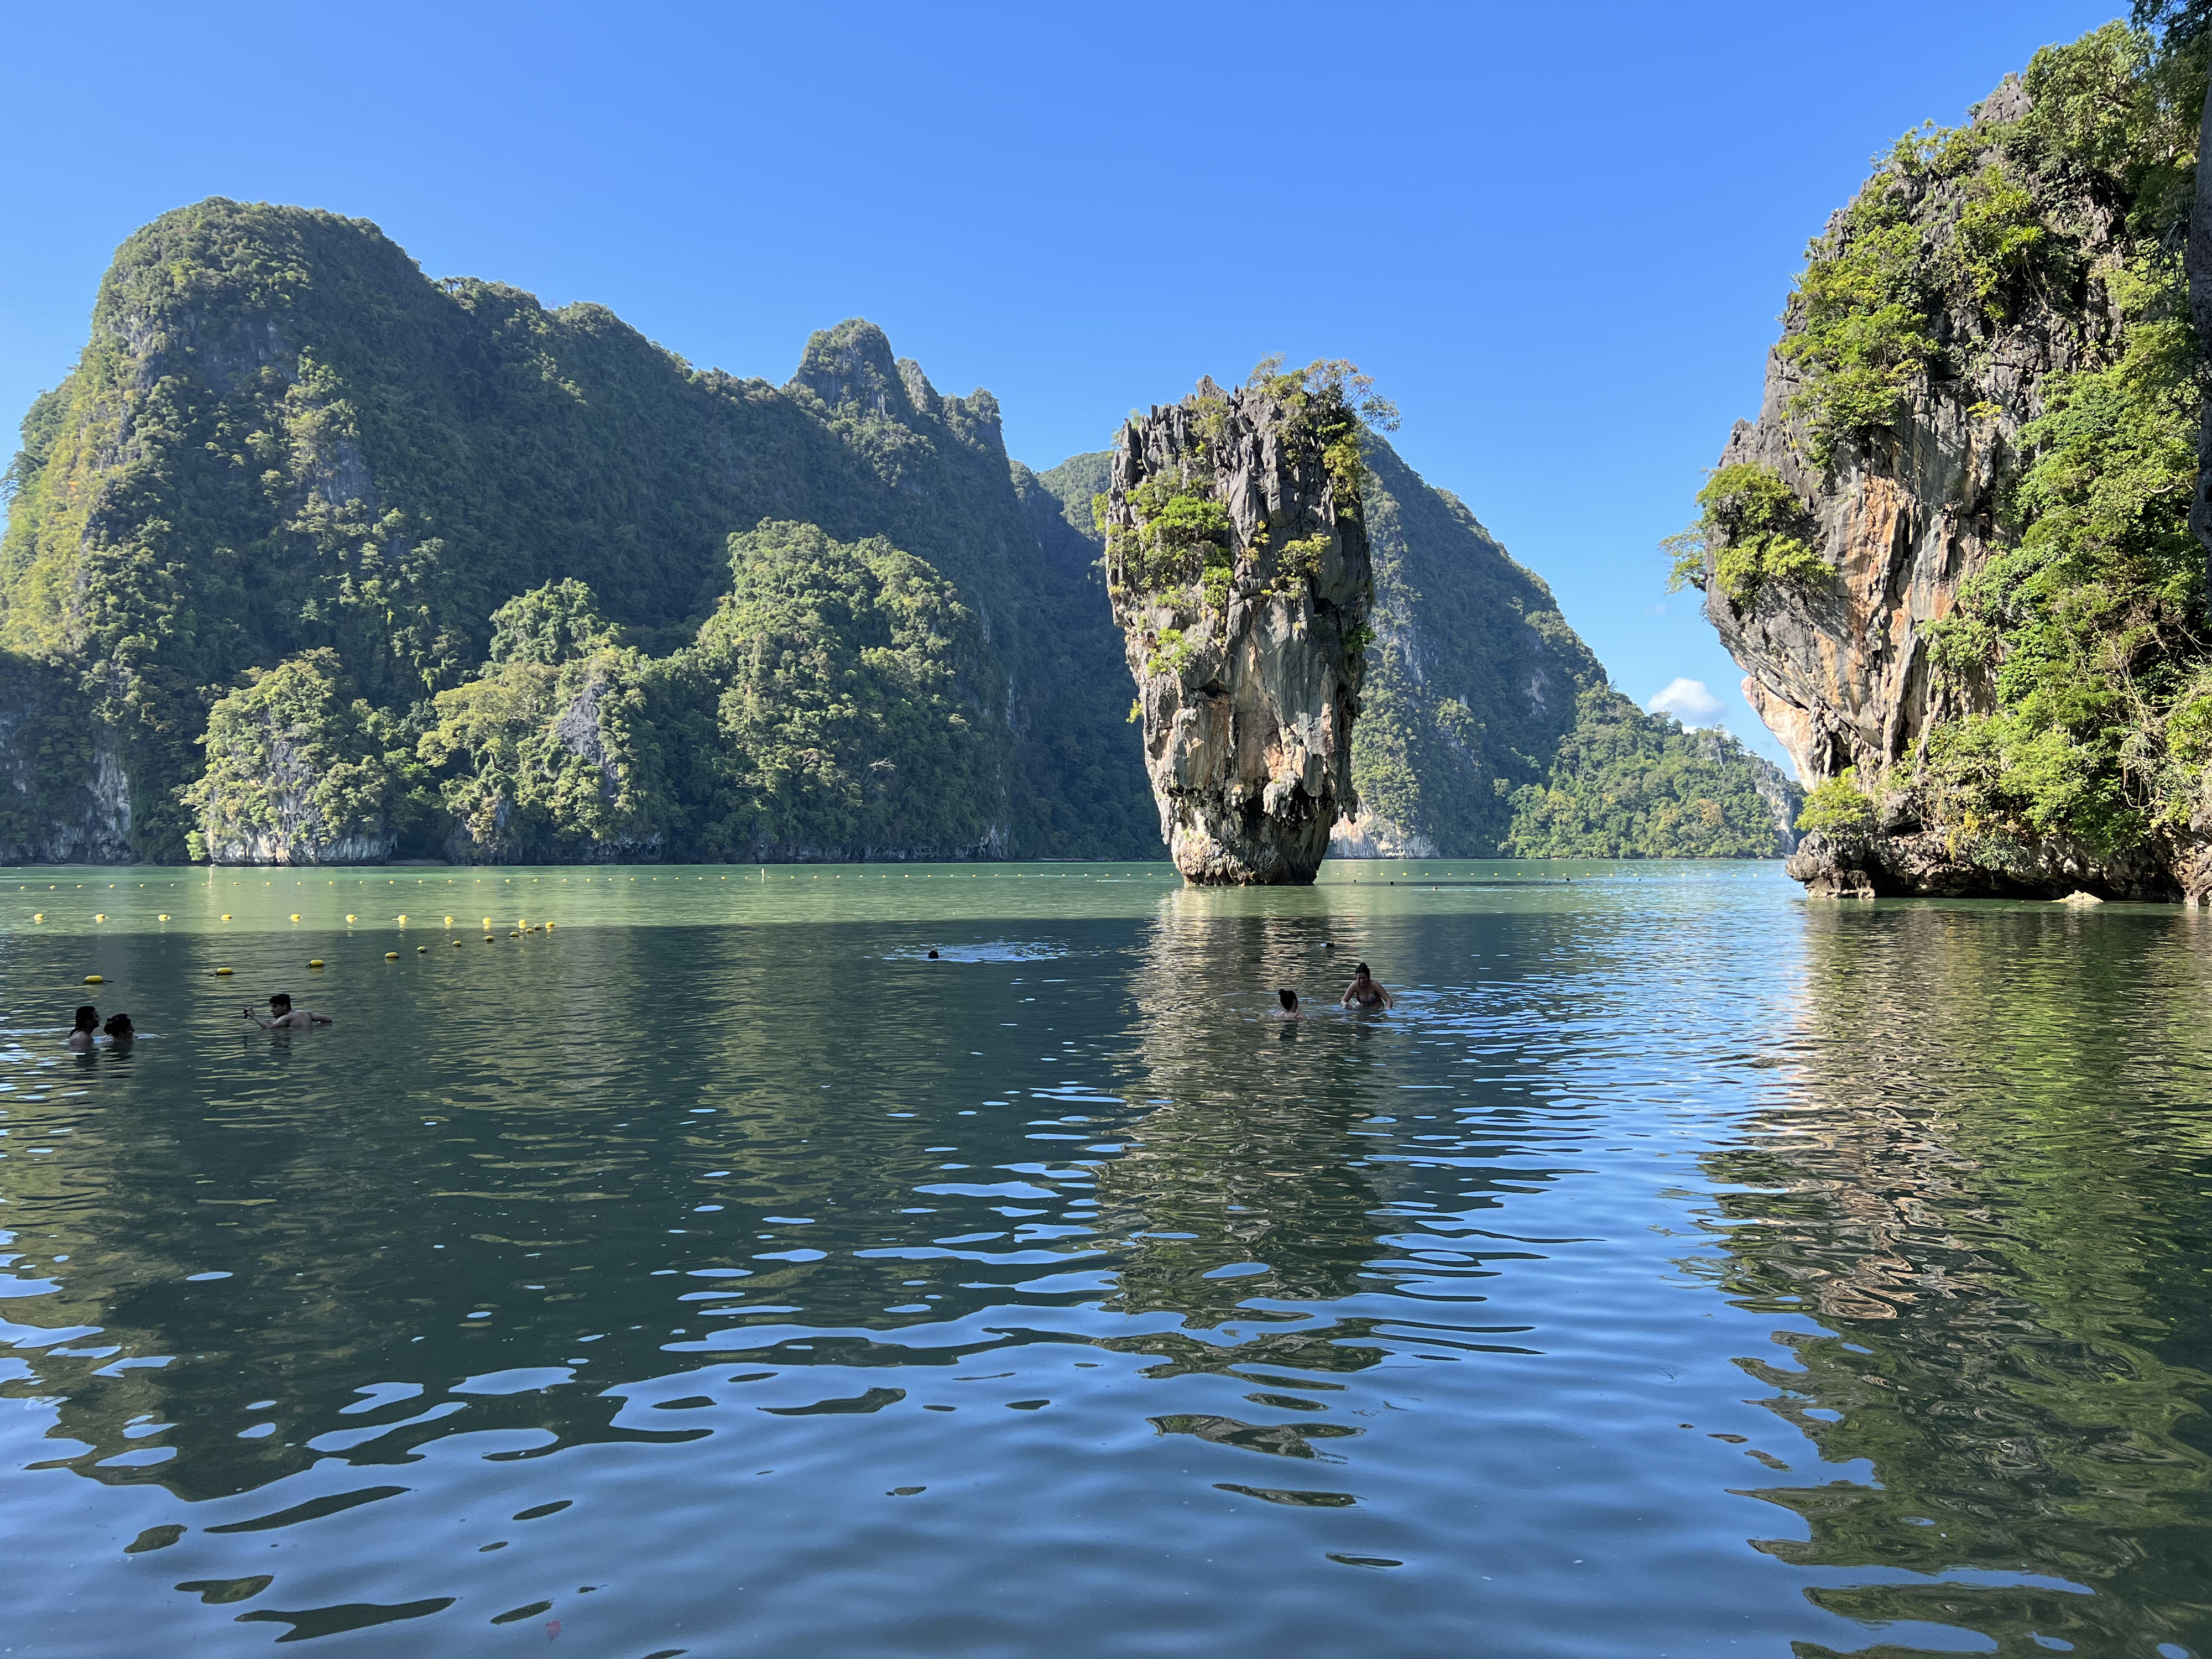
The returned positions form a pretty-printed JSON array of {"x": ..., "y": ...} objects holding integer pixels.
[{"x": 1558, "y": 236}]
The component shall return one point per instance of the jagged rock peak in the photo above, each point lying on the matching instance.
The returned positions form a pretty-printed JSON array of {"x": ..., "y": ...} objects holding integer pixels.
[
  {"x": 852, "y": 363},
  {"x": 1238, "y": 566}
]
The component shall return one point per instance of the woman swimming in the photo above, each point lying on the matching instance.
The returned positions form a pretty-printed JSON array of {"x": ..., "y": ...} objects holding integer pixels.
[{"x": 1365, "y": 993}]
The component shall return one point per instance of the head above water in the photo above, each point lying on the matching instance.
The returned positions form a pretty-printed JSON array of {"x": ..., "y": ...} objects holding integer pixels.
[
  {"x": 1363, "y": 972},
  {"x": 282, "y": 1002},
  {"x": 118, "y": 1025},
  {"x": 1289, "y": 1000},
  {"x": 87, "y": 1018}
]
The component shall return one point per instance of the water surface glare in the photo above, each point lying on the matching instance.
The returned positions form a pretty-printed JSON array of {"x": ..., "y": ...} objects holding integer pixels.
[{"x": 1682, "y": 1268}]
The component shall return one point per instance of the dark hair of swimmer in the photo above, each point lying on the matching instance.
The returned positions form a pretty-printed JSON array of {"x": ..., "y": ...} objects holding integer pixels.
[
  {"x": 282, "y": 1000},
  {"x": 1289, "y": 1000},
  {"x": 118, "y": 1025},
  {"x": 1363, "y": 971},
  {"x": 87, "y": 1018}
]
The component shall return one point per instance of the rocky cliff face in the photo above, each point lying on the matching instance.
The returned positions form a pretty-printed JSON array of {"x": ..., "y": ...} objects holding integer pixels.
[
  {"x": 1908, "y": 527},
  {"x": 64, "y": 798},
  {"x": 1238, "y": 566},
  {"x": 1838, "y": 669}
]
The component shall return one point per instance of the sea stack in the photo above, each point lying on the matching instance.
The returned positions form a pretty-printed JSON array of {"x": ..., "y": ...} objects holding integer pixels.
[{"x": 1237, "y": 558}]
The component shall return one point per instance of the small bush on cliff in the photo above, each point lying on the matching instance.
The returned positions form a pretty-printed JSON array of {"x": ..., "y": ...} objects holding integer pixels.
[
  {"x": 1838, "y": 807},
  {"x": 1763, "y": 531}
]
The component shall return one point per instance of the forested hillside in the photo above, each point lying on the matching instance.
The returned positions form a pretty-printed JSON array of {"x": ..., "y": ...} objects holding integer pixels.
[{"x": 282, "y": 438}]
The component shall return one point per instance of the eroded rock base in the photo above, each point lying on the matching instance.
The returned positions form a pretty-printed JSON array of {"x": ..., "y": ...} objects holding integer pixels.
[{"x": 1939, "y": 864}]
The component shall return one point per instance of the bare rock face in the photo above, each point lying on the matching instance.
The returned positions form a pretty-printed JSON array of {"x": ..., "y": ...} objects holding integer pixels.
[
  {"x": 64, "y": 795},
  {"x": 1238, "y": 566},
  {"x": 1366, "y": 834}
]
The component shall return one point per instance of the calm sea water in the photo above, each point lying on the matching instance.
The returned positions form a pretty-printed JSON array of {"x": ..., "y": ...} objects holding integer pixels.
[{"x": 1682, "y": 1268}]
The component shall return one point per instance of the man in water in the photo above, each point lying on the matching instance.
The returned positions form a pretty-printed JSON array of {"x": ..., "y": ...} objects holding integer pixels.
[
  {"x": 1365, "y": 993},
  {"x": 282, "y": 1017},
  {"x": 79, "y": 1039}
]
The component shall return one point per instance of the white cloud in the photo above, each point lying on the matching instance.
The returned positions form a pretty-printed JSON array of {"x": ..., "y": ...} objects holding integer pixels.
[{"x": 1688, "y": 701}]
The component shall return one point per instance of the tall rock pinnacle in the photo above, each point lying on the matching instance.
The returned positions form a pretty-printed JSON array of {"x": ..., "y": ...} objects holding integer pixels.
[{"x": 1237, "y": 560}]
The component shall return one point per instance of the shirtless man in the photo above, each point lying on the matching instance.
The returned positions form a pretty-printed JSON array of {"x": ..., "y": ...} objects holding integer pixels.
[
  {"x": 282, "y": 1017},
  {"x": 1365, "y": 993},
  {"x": 79, "y": 1039}
]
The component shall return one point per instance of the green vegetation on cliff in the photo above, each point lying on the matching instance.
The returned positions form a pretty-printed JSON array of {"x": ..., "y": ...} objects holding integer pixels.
[
  {"x": 828, "y": 708},
  {"x": 480, "y": 577},
  {"x": 847, "y": 689},
  {"x": 293, "y": 759},
  {"x": 282, "y": 437}
]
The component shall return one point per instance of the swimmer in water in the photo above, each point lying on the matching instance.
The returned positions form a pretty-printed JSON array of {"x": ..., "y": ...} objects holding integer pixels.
[
  {"x": 119, "y": 1030},
  {"x": 1289, "y": 1008},
  {"x": 282, "y": 1017},
  {"x": 1365, "y": 993},
  {"x": 79, "y": 1039}
]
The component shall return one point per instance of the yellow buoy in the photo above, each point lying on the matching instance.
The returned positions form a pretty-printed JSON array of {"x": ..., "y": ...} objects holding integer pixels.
[
  {"x": 226, "y": 915},
  {"x": 402, "y": 921},
  {"x": 486, "y": 921},
  {"x": 349, "y": 915},
  {"x": 162, "y": 917},
  {"x": 422, "y": 949},
  {"x": 314, "y": 961},
  {"x": 38, "y": 915},
  {"x": 94, "y": 979},
  {"x": 548, "y": 927},
  {"x": 449, "y": 921},
  {"x": 456, "y": 944},
  {"x": 295, "y": 915},
  {"x": 102, "y": 916},
  {"x": 222, "y": 971},
  {"x": 392, "y": 955}
]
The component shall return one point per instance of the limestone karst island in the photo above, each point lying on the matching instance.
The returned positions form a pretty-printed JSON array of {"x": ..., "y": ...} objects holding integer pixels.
[{"x": 670, "y": 990}]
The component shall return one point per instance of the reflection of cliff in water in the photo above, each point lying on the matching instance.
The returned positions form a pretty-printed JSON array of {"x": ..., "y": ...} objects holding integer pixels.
[
  {"x": 1245, "y": 1160},
  {"x": 1990, "y": 1188}
]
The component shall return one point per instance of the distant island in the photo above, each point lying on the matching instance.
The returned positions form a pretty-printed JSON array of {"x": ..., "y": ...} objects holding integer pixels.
[{"x": 314, "y": 559}]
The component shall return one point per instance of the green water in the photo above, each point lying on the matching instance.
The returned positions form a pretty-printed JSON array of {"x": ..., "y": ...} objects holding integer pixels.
[{"x": 1681, "y": 1268}]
